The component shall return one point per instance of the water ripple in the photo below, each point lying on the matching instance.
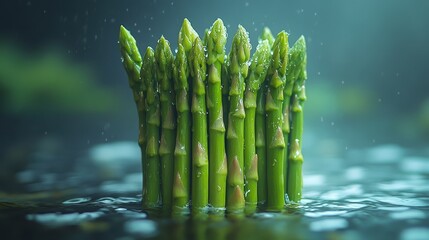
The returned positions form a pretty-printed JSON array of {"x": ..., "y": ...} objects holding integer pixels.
[
  {"x": 77, "y": 200},
  {"x": 409, "y": 202}
]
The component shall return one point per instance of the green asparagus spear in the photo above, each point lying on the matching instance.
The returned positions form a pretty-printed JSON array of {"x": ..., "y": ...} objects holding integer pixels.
[
  {"x": 151, "y": 194},
  {"x": 132, "y": 62},
  {"x": 182, "y": 153},
  {"x": 296, "y": 57},
  {"x": 273, "y": 107},
  {"x": 261, "y": 148},
  {"x": 238, "y": 70},
  {"x": 164, "y": 71},
  {"x": 298, "y": 98},
  {"x": 216, "y": 40},
  {"x": 200, "y": 164},
  {"x": 257, "y": 73},
  {"x": 186, "y": 38}
]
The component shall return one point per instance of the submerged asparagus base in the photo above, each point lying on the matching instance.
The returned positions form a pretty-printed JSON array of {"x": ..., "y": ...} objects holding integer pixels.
[{"x": 219, "y": 130}]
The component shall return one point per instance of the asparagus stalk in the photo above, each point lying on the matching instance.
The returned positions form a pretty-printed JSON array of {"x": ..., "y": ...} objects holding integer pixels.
[
  {"x": 296, "y": 57},
  {"x": 199, "y": 128},
  {"x": 257, "y": 73},
  {"x": 295, "y": 157},
  {"x": 260, "y": 145},
  {"x": 261, "y": 149},
  {"x": 182, "y": 152},
  {"x": 132, "y": 62},
  {"x": 293, "y": 69},
  {"x": 164, "y": 71},
  {"x": 273, "y": 107},
  {"x": 151, "y": 193},
  {"x": 238, "y": 70},
  {"x": 216, "y": 40}
]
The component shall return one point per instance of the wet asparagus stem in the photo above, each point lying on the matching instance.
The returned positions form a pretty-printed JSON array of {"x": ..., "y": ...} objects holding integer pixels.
[
  {"x": 296, "y": 58},
  {"x": 132, "y": 62},
  {"x": 298, "y": 98},
  {"x": 151, "y": 192},
  {"x": 164, "y": 64},
  {"x": 200, "y": 164},
  {"x": 216, "y": 40},
  {"x": 287, "y": 93},
  {"x": 225, "y": 90},
  {"x": 257, "y": 73},
  {"x": 261, "y": 149},
  {"x": 182, "y": 152},
  {"x": 238, "y": 70},
  {"x": 274, "y": 106}
]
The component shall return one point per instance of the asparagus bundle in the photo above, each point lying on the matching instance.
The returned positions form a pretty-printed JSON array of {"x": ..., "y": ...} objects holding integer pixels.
[{"x": 216, "y": 129}]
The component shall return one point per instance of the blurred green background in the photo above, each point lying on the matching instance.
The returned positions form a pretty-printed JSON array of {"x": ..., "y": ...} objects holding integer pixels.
[{"x": 63, "y": 88}]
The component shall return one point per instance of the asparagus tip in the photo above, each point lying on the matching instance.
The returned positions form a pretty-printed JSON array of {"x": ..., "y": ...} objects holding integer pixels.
[
  {"x": 267, "y": 35},
  {"x": 187, "y": 35}
]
